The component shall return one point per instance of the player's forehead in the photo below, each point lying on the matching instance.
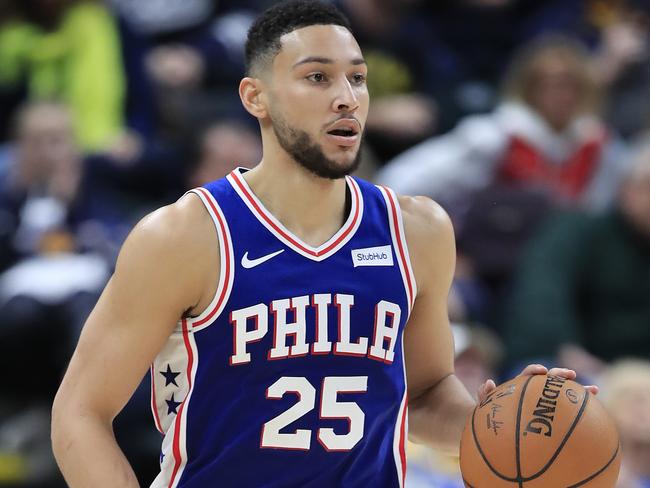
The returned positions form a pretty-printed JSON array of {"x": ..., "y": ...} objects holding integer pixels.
[{"x": 327, "y": 42}]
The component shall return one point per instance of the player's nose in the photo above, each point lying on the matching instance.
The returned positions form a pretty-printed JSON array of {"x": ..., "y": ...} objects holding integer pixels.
[{"x": 346, "y": 99}]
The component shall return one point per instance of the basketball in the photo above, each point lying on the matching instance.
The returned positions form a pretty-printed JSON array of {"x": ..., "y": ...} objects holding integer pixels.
[{"x": 540, "y": 431}]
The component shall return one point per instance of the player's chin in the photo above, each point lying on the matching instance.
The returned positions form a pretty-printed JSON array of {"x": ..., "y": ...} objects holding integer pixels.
[
  {"x": 342, "y": 154},
  {"x": 346, "y": 162}
]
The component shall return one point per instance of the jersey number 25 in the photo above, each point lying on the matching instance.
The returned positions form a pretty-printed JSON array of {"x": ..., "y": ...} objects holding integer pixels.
[{"x": 330, "y": 408}]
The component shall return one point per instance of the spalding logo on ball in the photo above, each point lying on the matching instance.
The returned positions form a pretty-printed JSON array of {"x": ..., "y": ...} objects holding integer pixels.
[{"x": 540, "y": 432}]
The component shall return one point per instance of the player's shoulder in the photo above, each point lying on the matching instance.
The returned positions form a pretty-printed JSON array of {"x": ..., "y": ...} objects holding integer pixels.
[
  {"x": 424, "y": 218},
  {"x": 180, "y": 229},
  {"x": 185, "y": 213},
  {"x": 176, "y": 220}
]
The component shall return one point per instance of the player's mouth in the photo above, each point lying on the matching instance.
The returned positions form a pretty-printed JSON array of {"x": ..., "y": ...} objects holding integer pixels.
[{"x": 344, "y": 132}]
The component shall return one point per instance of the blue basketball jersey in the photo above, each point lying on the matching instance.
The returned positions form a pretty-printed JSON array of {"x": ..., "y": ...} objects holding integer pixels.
[{"x": 294, "y": 375}]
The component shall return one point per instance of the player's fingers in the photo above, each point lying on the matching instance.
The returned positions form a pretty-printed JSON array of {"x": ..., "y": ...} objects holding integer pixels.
[
  {"x": 593, "y": 389},
  {"x": 485, "y": 389},
  {"x": 569, "y": 374},
  {"x": 534, "y": 369}
]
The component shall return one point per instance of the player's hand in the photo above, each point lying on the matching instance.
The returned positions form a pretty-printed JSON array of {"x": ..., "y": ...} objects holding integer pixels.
[{"x": 487, "y": 387}]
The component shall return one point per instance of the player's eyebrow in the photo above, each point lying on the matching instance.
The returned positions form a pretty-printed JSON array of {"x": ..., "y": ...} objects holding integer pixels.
[{"x": 323, "y": 60}]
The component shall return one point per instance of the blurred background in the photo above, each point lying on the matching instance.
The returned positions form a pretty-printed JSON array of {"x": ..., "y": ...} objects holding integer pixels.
[{"x": 528, "y": 120}]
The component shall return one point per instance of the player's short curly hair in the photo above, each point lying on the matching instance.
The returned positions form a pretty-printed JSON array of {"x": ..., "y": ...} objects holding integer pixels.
[{"x": 263, "y": 42}]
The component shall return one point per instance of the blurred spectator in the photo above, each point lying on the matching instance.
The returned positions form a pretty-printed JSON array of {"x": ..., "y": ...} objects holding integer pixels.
[
  {"x": 59, "y": 234},
  {"x": 626, "y": 394},
  {"x": 70, "y": 51},
  {"x": 196, "y": 45},
  {"x": 545, "y": 134},
  {"x": 50, "y": 200},
  {"x": 223, "y": 147},
  {"x": 581, "y": 294}
]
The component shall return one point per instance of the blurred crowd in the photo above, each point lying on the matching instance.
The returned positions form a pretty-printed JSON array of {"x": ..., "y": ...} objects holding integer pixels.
[{"x": 528, "y": 121}]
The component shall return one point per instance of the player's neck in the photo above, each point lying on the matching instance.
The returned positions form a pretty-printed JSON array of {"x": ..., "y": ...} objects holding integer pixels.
[{"x": 312, "y": 208}]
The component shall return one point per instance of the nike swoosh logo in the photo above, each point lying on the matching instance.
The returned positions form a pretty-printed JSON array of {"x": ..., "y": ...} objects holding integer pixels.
[{"x": 251, "y": 263}]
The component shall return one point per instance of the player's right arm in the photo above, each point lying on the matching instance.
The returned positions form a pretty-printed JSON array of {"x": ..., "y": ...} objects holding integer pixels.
[{"x": 167, "y": 267}]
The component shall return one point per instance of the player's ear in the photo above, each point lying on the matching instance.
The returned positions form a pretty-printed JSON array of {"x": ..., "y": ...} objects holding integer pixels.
[{"x": 252, "y": 97}]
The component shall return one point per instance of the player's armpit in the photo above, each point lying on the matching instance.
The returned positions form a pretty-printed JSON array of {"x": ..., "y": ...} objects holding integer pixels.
[
  {"x": 168, "y": 264},
  {"x": 438, "y": 402}
]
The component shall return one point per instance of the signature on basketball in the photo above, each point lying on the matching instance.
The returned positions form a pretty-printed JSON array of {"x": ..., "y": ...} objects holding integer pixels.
[
  {"x": 493, "y": 423},
  {"x": 498, "y": 394}
]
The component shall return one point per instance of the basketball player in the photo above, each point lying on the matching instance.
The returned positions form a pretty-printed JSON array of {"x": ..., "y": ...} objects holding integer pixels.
[{"x": 285, "y": 309}]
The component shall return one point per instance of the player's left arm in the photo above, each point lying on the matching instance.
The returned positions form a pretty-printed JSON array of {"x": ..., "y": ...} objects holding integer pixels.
[{"x": 439, "y": 404}]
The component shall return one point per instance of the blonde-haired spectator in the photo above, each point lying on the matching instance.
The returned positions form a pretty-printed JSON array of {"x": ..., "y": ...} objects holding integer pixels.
[{"x": 545, "y": 134}]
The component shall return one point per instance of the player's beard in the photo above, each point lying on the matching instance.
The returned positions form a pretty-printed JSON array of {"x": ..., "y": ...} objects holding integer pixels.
[{"x": 309, "y": 154}]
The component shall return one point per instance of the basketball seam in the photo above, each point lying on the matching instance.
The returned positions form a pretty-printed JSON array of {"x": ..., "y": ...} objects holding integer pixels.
[
  {"x": 564, "y": 440},
  {"x": 478, "y": 444},
  {"x": 586, "y": 480},
  {"x": 517, "y": 431}
]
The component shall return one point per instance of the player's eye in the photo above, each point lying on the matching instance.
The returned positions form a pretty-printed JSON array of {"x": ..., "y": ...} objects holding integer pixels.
[
  {"x": 359, "y": 79},
  {"x": 317, "y": 77}
]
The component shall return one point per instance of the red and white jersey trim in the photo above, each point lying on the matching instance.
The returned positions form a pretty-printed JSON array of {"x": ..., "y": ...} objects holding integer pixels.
[
  {"x": 174, "y": 447},
  {"x": 336, "y": 242},
  {"x": 227, "y": 264},
  {"x": 399, "y": 244},
  {"x": 154, "y": 399},
  {"x": 401, "y": 432},
  {"x": 179, "y": 446}
]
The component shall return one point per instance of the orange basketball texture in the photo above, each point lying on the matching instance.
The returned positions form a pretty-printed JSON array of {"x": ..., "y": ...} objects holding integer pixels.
[{"x": 540, "y": 432}]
